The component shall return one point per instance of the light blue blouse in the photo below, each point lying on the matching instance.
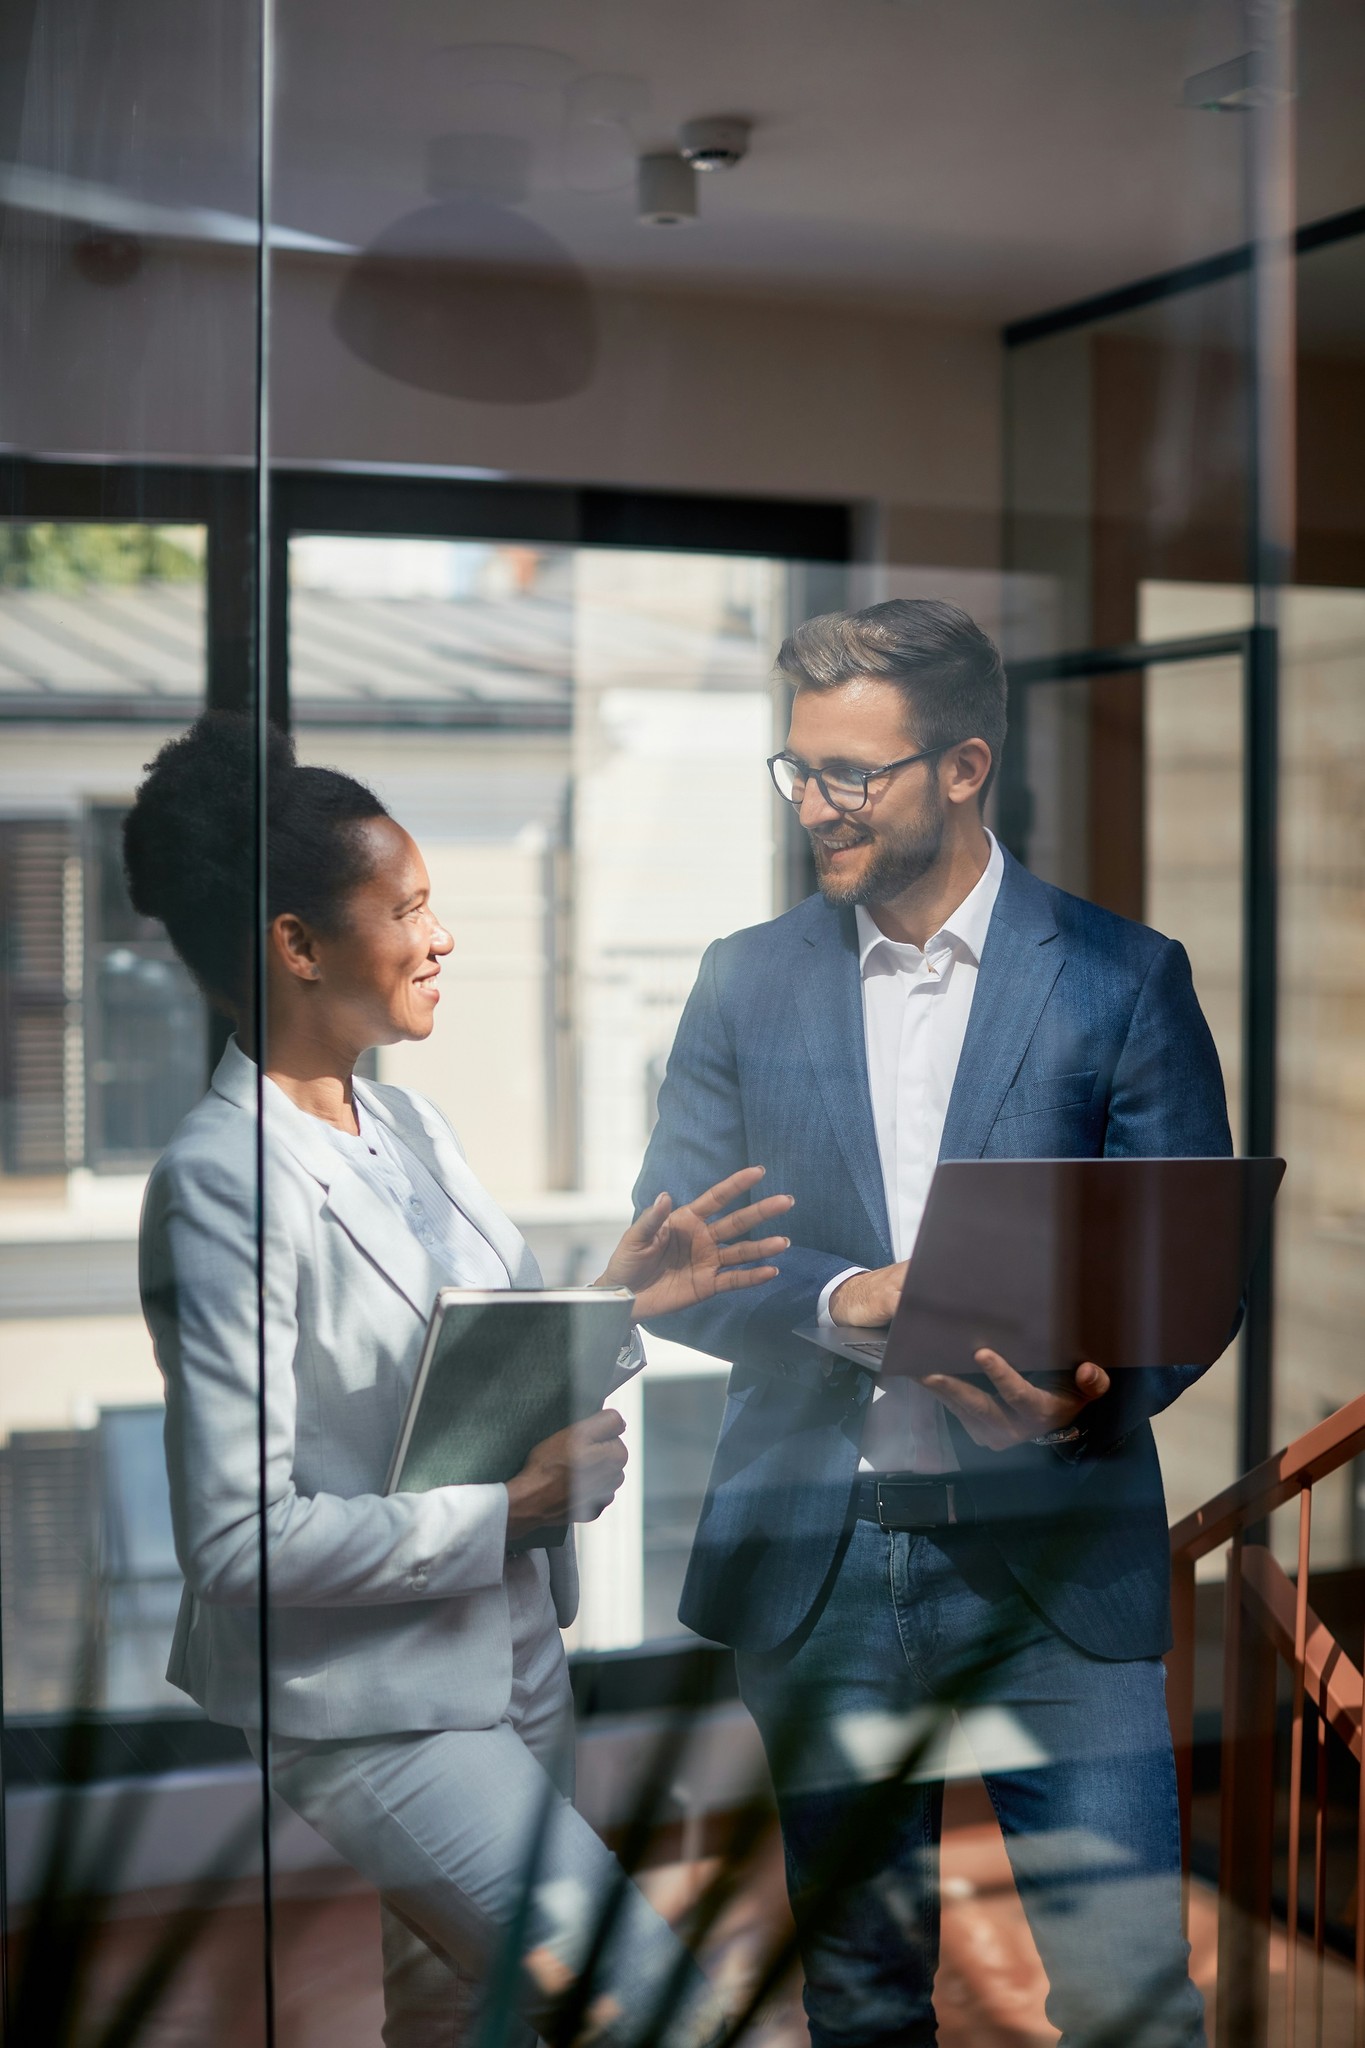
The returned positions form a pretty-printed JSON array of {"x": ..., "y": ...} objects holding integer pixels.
[{"x": 440, "y": 1226}]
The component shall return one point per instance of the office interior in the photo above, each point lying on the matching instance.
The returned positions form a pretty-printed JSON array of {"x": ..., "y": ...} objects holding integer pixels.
[{"x": 342, "y": 375}]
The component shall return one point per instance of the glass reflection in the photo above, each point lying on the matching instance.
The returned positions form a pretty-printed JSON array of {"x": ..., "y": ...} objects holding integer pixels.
[{"x": 461, "y": 284}]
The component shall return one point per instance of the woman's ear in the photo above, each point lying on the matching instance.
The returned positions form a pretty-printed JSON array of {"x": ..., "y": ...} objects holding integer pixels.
[{"x": 294, "y": 947}]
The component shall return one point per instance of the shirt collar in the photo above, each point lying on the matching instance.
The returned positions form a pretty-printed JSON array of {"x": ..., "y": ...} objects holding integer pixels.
[{"x": 966, "y": 926}]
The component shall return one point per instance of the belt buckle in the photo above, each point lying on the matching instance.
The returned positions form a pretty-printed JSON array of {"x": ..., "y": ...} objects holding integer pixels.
[{"x": 950, "y": 1498}]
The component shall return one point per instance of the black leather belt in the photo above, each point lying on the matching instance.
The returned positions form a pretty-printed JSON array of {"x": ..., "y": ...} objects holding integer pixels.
[{"x": 907, "y": 1500}]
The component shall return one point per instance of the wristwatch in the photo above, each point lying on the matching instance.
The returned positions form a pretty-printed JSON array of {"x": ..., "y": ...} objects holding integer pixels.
[{"x": 1067, "y": 1443}]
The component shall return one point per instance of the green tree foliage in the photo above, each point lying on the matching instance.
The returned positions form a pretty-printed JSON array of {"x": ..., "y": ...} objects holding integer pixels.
[{"x": 70, "y": 556}]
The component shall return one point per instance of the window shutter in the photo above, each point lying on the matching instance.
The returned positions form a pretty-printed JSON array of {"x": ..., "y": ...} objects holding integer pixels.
[{"x": 33, "y": 997}]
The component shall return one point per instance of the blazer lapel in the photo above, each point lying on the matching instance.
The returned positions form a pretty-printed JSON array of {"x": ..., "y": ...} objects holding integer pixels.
[
  {"x": 431, "y": 1140},
  {"x": 1020, "y": 961},
  {"x": 829, "y": 1002},
  {"x": 384, "y": 1238},
  {"x": 365, "y": 1216}
]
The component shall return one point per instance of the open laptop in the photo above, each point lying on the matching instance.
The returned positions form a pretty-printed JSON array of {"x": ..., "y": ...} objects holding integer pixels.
[{"x": 1129, "y": 1262}]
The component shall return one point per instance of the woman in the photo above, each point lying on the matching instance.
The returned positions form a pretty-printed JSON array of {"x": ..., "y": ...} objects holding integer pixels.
[{"x": 420, "y": 1713}]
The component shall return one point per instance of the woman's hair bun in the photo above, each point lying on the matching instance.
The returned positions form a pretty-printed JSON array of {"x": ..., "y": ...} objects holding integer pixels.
[
  {"x": 189, "y": 844},
  {"x": 197, "y": 807}
]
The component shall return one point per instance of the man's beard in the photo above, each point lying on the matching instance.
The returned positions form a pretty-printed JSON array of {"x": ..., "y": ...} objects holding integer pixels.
[{"x": 896, "y": 864}]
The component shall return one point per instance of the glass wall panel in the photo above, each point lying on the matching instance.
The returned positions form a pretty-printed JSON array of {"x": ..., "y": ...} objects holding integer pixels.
[
  {"x": 696, "y": 416},
  {"x": 1184, "y": 810},
  {"x": 576, "y": 737},
  {"x": 1321, "y": 988},
  {"x": 1128, "y": 461},
  {"x": 1193, "y": 782},
  {"x": 128, "y": 180},
  {"x": 476, "y": 289},
  {"x": 1175, "y": 733},
  {"x": 1321, "y": 1286}
]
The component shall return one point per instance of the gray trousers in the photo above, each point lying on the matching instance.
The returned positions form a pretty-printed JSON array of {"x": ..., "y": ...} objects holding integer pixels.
[{"x": 461, "y": 1831}]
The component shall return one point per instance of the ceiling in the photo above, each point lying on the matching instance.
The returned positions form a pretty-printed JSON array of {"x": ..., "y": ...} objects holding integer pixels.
[{"x": 977, "y": 157}]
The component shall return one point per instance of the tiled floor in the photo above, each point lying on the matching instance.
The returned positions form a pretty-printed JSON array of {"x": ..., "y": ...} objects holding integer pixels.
[{"x": 990, "y": 1990}]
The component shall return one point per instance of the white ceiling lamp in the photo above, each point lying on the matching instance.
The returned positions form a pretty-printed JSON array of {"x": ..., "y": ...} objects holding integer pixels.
[
  {"x": 668, "y": 178},
  {"x": 667, "y": 191},
  {"x": 715, "y": 144}
]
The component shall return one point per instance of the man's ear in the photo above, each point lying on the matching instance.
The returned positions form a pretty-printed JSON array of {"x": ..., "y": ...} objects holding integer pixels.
[
  {"x": 967, "y": 764},
  {"x": 294, "y": 948}
]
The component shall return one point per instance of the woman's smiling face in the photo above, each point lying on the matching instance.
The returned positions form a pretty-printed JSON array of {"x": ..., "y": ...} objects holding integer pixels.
[{"x": 376, "y": 976}]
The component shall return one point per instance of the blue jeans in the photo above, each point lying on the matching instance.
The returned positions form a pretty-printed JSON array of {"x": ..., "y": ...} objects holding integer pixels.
[{"x": 1076, "y": 1756}]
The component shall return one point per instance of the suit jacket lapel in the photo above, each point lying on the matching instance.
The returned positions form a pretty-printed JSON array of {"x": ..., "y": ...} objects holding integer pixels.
[
  {"x": 829, "y": 1002},
  {"x": 1020, "y": 961}
]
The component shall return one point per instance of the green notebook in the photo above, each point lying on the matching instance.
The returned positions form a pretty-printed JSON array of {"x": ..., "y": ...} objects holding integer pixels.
[{"x": 500, "y": 1371}]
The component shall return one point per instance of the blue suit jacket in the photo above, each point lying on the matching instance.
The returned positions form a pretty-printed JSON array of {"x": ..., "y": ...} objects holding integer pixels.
[{"x": 1085, "y": 1039}]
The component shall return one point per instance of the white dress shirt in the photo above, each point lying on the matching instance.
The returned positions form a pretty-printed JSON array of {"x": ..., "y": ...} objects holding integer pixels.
[
  {"x": 457, "y": 1247},
  {"x": 915, "y": 1011}
]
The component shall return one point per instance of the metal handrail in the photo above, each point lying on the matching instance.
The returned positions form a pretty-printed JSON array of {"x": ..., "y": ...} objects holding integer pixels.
[
  {"x": 1332, "y": 1443},
  {"x": 1267, "y": 1621}
]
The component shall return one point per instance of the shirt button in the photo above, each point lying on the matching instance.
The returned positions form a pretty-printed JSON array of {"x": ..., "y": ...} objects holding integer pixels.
[{"x": 418, "y": 1581}]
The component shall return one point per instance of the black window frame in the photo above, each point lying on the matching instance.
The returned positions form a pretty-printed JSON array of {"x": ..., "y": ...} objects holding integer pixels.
[{"x": 816, "y": 536}]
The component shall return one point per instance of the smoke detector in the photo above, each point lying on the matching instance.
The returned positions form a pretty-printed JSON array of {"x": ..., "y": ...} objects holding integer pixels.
[
  {"x": 667, "y": 191},
  {"x": 717, "y": 144}
]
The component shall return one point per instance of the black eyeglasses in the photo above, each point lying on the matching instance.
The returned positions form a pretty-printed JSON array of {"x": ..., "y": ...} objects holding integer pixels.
[{"x": 843, "y": 787}]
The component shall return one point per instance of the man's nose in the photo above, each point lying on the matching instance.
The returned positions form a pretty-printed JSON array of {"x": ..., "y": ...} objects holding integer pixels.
[
  {"x": 814, "y": 808},
  {"x": 442, "y": 941}
]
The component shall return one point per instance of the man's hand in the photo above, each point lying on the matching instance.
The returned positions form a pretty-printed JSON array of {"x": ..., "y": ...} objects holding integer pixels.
[
  {"x": 869, "y": 1299},
  {"x": 568, "y": 1477},
  {"x": 1016, "y": 1409}
]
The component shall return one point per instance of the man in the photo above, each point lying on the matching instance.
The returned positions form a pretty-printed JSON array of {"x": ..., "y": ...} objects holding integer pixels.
[{"x": 879, "y": 1555}]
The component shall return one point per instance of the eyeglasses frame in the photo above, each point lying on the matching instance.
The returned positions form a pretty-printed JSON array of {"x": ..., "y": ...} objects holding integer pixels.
[{"x": 867, "y": 775}]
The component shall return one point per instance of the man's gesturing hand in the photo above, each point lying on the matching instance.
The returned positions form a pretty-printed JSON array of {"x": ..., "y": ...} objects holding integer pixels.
[
  {"x": 569, "y": 1477},
  {"x": 869, "y": 1299},
  {"x": 1014, "y": 1410}
]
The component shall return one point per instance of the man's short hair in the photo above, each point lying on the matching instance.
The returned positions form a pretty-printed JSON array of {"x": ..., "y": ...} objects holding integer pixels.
[{"x": 949, "y": 671}]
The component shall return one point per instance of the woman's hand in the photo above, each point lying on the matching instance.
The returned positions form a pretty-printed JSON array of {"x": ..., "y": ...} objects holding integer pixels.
[
  {"x": 672, "y": 1258},
  {"x": 569, "y": 1477}
]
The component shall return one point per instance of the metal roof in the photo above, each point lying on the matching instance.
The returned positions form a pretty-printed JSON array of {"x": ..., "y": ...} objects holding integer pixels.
[{"x": 138, "y": 652}]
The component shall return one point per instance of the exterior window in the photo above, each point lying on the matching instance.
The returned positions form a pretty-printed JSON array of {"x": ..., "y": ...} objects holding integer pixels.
[
  {"x": 48, "y": 1541},
  {"x": 145, "y": 1027}
]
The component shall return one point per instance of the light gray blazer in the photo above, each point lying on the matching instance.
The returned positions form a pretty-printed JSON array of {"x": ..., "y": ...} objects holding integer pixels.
[{"x": 386, "y": 1614}]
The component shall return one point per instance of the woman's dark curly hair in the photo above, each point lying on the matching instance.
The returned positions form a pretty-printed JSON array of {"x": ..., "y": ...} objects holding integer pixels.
[{"x": 188, "y": 840}]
